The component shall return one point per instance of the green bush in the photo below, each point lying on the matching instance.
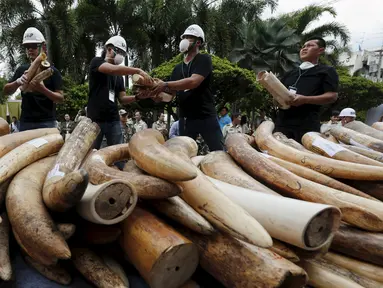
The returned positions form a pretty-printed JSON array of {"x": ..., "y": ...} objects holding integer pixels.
[
  {"x": 355, "y": 92},
  {"x": 3, "y": 98},
  {"x": 75, "y": 98}
]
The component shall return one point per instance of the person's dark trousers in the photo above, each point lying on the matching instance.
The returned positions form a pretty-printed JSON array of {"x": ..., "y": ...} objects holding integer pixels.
[
  {"x": 296, "y": 132},
  {"x": 36, "y": 125},
  {"x": 209, "y": 129},
  {"x": 181, "y": 126},
  {"x": 113, "y": 134}
]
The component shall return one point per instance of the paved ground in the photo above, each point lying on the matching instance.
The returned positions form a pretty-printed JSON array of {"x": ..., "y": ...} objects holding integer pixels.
[{"x": 27, "y": 277}]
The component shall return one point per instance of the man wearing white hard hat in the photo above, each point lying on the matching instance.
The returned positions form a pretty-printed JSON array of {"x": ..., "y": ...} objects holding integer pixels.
[
  {"x": 347, "y": 115},
  {"x": 106, "y": 87},
  {"x": 190, "y": 81},
  {"x": 38, "y": 108}
]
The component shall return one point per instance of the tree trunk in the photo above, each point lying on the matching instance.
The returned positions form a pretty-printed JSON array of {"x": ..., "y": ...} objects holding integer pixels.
[
  {"x": 169, "y": 110},
  {"x": 127, "y": 76},
  {"x": 253, "y": 119},
  {"x": 48, "y": 40}
]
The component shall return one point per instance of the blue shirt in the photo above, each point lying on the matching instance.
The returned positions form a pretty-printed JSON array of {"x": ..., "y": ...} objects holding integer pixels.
[
  {"x": 224, "y": 121},
  {"x": 174, "y": 130}
]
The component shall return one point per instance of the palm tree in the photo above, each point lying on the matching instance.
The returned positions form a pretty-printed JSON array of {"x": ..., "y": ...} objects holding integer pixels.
[
  {"x": 97, "y": 21},
  {"x": 53, "y": 18},
  {"x": 270, "y": 45},
  {"x": 165, "y": 22},
  {"x": 333, "y": 53},
  {"x": 273, "y": 44},
  {"x": 222, "y": 20},
  {"x": 151, "y": 27},
  {"x": 300, "y": 20}
]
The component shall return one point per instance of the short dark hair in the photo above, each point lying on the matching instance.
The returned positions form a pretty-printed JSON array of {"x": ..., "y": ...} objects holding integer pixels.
[
  {"x": 14, "y": 117},
  {"x": 243, "y": 119},
  {"x": 234, "y": 115},
  {"x": 224, "y": 107},
  {"x": 335, "y": 113},
  {"x": 320, "y": 41}
]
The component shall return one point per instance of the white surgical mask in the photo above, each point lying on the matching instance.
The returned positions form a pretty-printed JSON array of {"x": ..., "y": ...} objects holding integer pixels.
[
  {"x": 118, "y": 59},
  {"x": 184, "y": 45},
  {"x": 306, "y": 65}
]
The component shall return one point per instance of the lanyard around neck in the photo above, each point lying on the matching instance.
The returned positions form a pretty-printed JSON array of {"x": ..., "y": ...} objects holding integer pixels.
[
  {"x": 299, "y": 77},
  {"x": 189, "y": 67}
]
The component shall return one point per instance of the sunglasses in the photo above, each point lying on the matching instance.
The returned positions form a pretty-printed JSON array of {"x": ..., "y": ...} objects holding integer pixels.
[{"x": 31, "y": 46}]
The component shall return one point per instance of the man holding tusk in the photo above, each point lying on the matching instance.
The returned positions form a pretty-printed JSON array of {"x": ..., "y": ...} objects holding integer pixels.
[
  {"x": 106, "y": 86},
  {"x": 38, "y": 107},
  {"x": 313, "y": 85},
  {"x": 191, "y": 82}
]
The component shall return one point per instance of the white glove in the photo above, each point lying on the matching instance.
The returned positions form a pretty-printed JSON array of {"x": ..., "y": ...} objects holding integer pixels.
[{"x": 22, "y": 80}]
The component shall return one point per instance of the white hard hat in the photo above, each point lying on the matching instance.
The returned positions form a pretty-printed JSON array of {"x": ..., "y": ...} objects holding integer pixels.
[
  {"x": 33, "y": 35},
  {"x": 122, "y": 112},
  {"x": 117, "y": 41},
  {"x": 194, "y": 30},
  {"x": 347, "y": 112}
]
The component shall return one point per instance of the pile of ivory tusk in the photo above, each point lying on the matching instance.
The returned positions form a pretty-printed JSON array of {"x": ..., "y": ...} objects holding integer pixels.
[{"x": 270, "y": 212}]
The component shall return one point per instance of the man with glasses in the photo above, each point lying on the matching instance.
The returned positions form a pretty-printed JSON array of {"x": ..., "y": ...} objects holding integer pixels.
[
  {"x": 38, "y": 108},
  {"x": 106, "y": 85},
  {"x": 313, "y": 85}
]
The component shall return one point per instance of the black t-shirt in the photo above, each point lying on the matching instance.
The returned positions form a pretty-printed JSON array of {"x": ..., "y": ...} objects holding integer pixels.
[
  {"x": 100, "y": 108},
  {"x": 196, "y": 103},
  {"x": 36, "y": 107},
  {"x": 313, "y": 82}
]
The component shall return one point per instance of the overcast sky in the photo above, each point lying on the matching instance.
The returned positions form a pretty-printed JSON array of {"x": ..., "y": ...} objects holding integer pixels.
[{"x": 364, "y": 19}]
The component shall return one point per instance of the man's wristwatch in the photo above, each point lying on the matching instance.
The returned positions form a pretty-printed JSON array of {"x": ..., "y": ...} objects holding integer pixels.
[{"x": 166, "y": 89}]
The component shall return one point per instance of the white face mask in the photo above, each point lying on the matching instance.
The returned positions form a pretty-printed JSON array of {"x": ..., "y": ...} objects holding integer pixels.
[
  {"x": 306, "y": 65},
  {"x": 184, "y": 45},
  {"x": 118, "y": 59}
]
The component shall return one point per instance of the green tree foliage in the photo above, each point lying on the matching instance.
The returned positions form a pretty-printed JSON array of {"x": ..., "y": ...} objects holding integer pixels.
[
  {"x": 54, "y": 19},
  {"x": 273, "y": 44},
  {"x": 3, "y": 98},
  {"x": 75, "y": 98},
  {"x": 223, "y": 20},
  {"x": 268, "y": 45},
  {"x": 356, "y": 92},
  {"x": 301, "y": 20}
]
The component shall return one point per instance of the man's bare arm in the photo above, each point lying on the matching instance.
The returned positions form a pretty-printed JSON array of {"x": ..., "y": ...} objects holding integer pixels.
[
  {"x": 125, "y": 99},
  {"x": 118, "y": 70},
  {"x": 11, "y": 88},
  {"x": 326, "y": 98},
  {"x": 188, "y": 83}
]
